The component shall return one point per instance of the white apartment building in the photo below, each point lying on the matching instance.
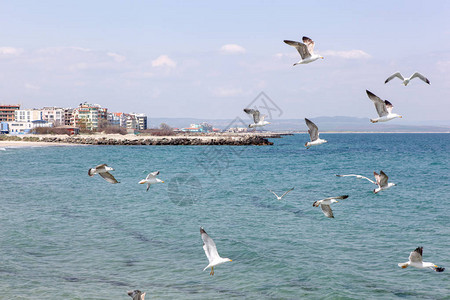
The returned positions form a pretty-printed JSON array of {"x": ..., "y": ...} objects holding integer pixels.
[
  {"x": 28, "y": 115},
  {"x": 54, "y": 115}
]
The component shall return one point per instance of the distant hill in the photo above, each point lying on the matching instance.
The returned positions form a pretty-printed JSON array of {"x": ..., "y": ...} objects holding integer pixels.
[{"x": 339, "y": 123}]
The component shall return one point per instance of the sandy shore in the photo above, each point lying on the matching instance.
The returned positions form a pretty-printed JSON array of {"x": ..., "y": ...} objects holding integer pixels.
[{"x": 17, "y": 144}]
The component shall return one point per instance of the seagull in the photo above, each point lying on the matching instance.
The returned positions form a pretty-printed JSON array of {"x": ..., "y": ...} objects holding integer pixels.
[
  {"x": 280, "y": 197},
  {"x": 151, "y": 179},
  {"x": 314, "y": 135},
  {"x": 415, "y": 260},
  {"x": 136, "y": 295},
  {"x": 257, "y": 119},
  {"x": 211, "y": 252},
  {"x": 384, "y": 109},
  {"x": 103, "y": 170},
  {"x": 306, "y": 50},
  {"x": 380, "y": 179},
  {"x": 407, "y": 80},
  {"x": 325, "y": 205}
]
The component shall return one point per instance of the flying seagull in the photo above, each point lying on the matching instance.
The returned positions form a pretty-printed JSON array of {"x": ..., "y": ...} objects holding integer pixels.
[
  {"x": 407, "y": 80},
  {"x": 380, "y": 179},
  {"x": 257, "y": 118},
  {"x": 415, "y": 260},
  {"x": 384, "y": 109},
  {"x": 151, "y": 179},
  {"x": 136, "y": 295},
  {"x": 306, "y": 50},
  {"x": 280, "y": 197},
  {"x": 325, "y": 205},
  {"x": 211, "y": 252},
  {"x": 314, "y": 135},
  {"x": 103, "y": 170}
]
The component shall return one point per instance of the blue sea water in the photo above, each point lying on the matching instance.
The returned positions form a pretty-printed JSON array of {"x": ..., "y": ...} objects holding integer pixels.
[{"x": 65, "y": 235}]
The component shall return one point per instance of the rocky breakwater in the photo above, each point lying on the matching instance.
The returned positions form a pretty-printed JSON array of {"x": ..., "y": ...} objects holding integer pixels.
[{"x": 234, "y": 140}]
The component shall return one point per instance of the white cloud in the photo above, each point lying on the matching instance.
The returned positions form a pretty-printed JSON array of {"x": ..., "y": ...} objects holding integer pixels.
[
  {"x": 10, "y": 51},
  {"x": 227, "y": 92},
  {"x": 164, "y": 61},
  {"x": 232, "y": 49},
  {"x": 350, "y": 54},
  {"x": 30, "y": 86},
  {"x": 117, "y": 57}
]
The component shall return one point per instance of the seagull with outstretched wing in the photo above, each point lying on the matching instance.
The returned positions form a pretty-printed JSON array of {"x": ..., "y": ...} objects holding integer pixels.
[
  {"x": 211, "y": 252},
  {"x": 305, "y": 49},
  {"x": 408, "y": 79}
]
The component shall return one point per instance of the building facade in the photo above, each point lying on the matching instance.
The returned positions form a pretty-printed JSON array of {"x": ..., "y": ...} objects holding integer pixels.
[
  {"x": 7, "y": 112},
  {"x": 27, "y": 115},
  {"x": 89, "y": 116},
  {"x": 54, "y": 115}
]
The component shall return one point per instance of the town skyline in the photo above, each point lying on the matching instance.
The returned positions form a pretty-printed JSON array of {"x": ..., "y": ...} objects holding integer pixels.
[{"x": 145, "y": 57}]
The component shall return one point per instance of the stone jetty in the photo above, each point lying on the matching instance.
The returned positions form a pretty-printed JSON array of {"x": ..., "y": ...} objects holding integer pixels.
[{"x": 241, "y": 139}]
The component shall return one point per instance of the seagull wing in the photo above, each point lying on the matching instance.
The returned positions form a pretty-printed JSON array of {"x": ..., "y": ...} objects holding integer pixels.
[
  {"x": 152, "y": 175},
  {"x": 309, "y": 43},
  {"x": 420, "y": 76},
  {"x": 313, "y": 130},
  {"x": 209, "y": 246},
  {"x": 397, "y": 74},
  {"x": 301, "y": 48},
  {"x": 148, "y": 186},
  {"x": 285, "y": 193},
  {"x": 383, "y": 179},
  {"x": 416, "y": 255},
  {"x": 357, "y": 176},
  {"x": 253, "y": 112},
  {"x": 273, "y": 193},
  {"x": 338, "y": 197},
  {"x": 326, "y": 209},
  {"x": 380, "y": 105},
  {"x": 377, "y": 177},
  {"x": 108, "y": 177},
  {"x": 389, "y": 106}
]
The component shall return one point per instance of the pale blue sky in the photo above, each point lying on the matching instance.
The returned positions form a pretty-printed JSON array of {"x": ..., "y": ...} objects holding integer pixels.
[{"x": 164, "y": 58}]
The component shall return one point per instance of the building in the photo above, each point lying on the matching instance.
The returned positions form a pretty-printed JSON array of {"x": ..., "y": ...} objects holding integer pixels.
[
  {"x": 54, "y": 115},
  {"x": 141, "y": 120},
  {"x": 203, "y": 127},
  {"x": 89, "y": 116},
  {"x": 7, "y": 112},
  {"x": 68, "y": 116},
  {"x": 27, "y": 115},
  {"x": 17, "y": 127},
  {"x": 117, "y": 119},
  {"x": 131, "y": 122}
]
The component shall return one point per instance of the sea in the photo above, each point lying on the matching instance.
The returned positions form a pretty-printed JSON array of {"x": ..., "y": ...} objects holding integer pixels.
[{"x": 65, "y": 235}]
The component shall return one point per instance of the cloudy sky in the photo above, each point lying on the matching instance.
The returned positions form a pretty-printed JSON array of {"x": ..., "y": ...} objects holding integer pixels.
[{"x": 209, "y": 60}]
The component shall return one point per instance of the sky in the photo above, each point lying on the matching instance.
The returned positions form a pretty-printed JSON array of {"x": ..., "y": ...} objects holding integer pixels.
[{"x": 210, "y": 59}]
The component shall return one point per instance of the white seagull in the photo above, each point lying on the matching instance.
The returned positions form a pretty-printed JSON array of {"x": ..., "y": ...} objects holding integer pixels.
[
  {"x": 103, "y": 170},
  {"x": 306, "y": 50},
  {"x": 313, "y": 134},
  {"x": 136, "y": 295},
  {"x": 211, "y": 252},
  {"x": 407, "y": 80},
  {"x": 151, "y": 179},
  {"x": 325, "y": 205},
  {"x": 415, "y": 260},
  {"x": 380, "y": 179},
  {"x": 257, "y": 118},
  {"x": 280, "y": 197},
  {"x": 384, "y": 109}
]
